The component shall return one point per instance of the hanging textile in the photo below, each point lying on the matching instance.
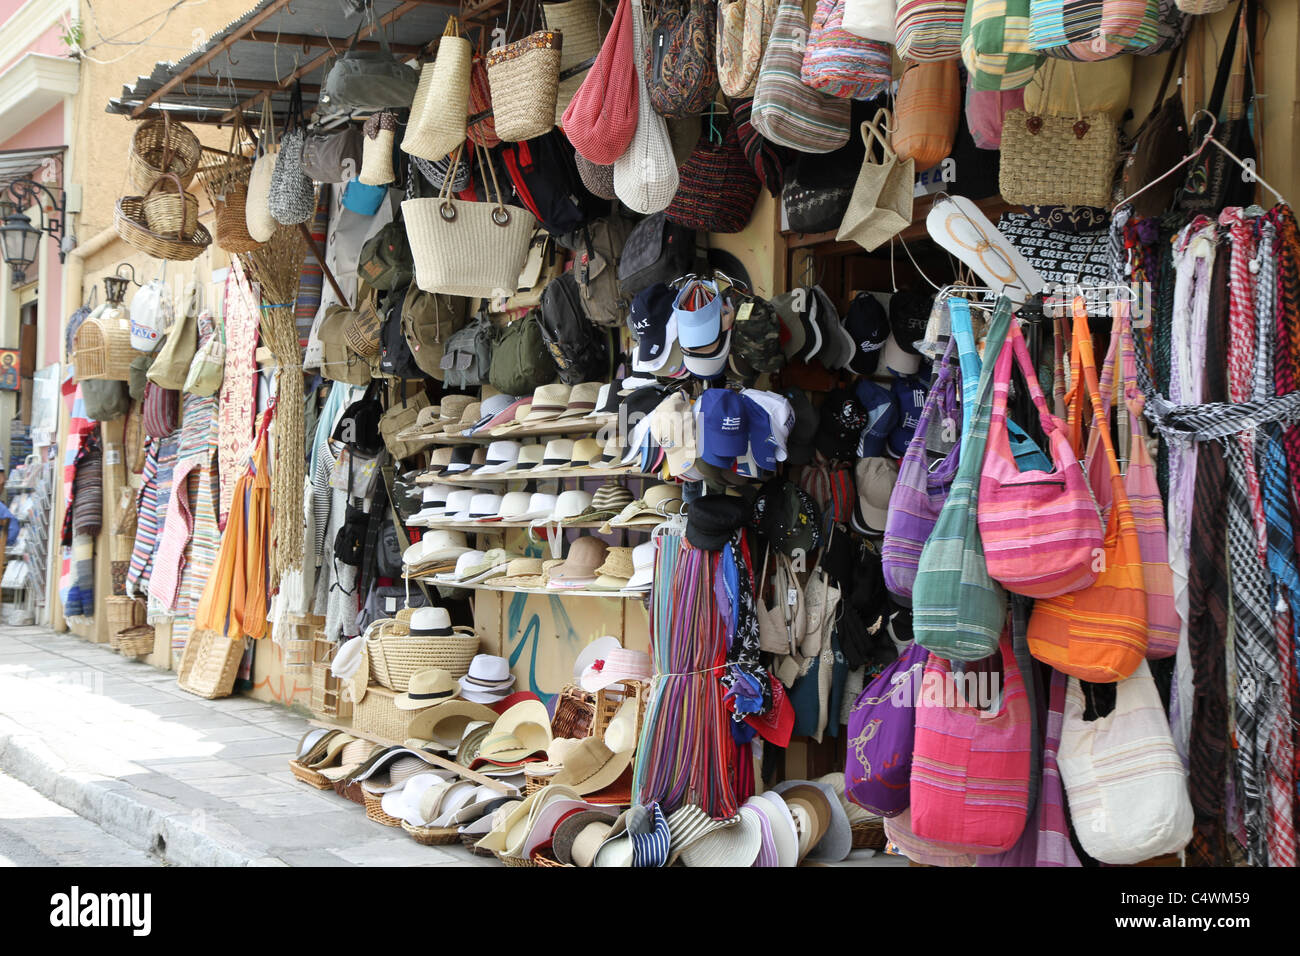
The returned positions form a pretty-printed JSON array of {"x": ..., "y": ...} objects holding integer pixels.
[
  {"x": 238, "y": 385},
  {"x": 311, "y": 281},
  {"x": 206, "y": 537},
  {"x": 151, "y": 507},
  {"x": 178, "y": 522}
]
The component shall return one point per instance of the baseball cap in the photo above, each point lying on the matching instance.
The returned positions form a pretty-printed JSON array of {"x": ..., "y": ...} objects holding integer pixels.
[
  {"x": 724, "y": 426},
  {"x": 792, "y": 329},
  {"x": 909, "y": 313},
  {"x": 787, "y": 516},
  {"x": 898, "y": 361},
  {"x": 654, "y": 325},
  {"x": 674, "y": 427},
  {"x": 712, "y": 519},
  {"x": 837, "y": 347},
  {"x": 842, "y": 420},
  {"x": 882, "y": 417},
  {"x": 759, "y": 434},
  {"x": 875, "y": 478},
  {"x": 909, "y": 395},
  {"x": 799, "y": 446},
  {"x": 698, "y": 313},
  {"x": 769, "y": 432},
  {"x": 868, "y": 325},
  {"x": 710, "y": 365}
]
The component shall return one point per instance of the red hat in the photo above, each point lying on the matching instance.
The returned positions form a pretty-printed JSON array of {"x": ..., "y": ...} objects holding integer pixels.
[{"x": 518, "y": 696}]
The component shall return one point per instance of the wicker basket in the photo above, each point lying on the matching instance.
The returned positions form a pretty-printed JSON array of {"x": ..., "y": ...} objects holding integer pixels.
[
  {"x": 124, "y": 612},
  {"x": 167, "y": 211},
  {"x": 313, "y": 778},
  {"x": 535, "y": 782},
  {"x": 136, "y": 641},
  {"x": 432, "y": 836},
  {"x": 210, "y": 664},
  {"x": 542, "y": 858},
  {"x": 609, "y": 700},
  {"x": 575, "y": 713},
  {"x": 376, "y": 714},
  {"x": 101, "y": 347},
  {"x": 129, "y": 221},
  {"x": 868, "y": 835},
  {"x": 470, "y": 840},
  {"x": 163, "y": 146},
  {"x": 515, "y": 860},
  {"x": 395, "y": 658},
  {"x": 375, "y": 811},
  {"x": 225, "y": 179},
  {"x": 350, "y": 790}
]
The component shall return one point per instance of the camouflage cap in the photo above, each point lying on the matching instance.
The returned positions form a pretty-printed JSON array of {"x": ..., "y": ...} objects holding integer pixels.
[{"x": 756, "y": 336}]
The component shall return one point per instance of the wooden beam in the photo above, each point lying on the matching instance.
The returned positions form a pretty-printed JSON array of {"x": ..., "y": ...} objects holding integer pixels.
[
  {"x": 248, "y": 27},
  {"x": 334, "y": 44},
  {"x": 271, "y": 86}
]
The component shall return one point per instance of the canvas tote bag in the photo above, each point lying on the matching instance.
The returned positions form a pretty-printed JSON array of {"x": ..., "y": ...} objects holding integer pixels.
[
  {"x": 645, "y": 175},
  {"x": 786, "y": 111},
  {"x": 171, "y": 366},
  {"x": 1124, "y": 780},
  {"x": 881, "y": 205},
  {"x": 257, "y": 210},
  {"x": 1098, "y": 633}
]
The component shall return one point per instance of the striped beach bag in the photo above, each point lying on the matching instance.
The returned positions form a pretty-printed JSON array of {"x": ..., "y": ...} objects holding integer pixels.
[
  {"x": 1093, "y": 29},
  {"x": 995, "y": 44},
  {"x": 929, "y": 29},
  {"x": 1041, "y": 532},
  {"x": 786, "y": 111},
  {"x": 1097, "y": 633},
  {"x": 970, "y": 765},
  {"x": 841, "y": 64}
]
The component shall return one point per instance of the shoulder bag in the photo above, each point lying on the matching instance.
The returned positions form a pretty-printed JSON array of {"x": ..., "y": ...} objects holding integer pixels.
[
  {"x": 785, "y": 110},
  {"x": 929, "y": 29},
  {"x": 257, "y": 211},
  {"x": 742, "y": 32},
  {"x": 172, "y": 365},
  {"x": 369, "y": 80},
  {"x": 332, "y": 156},
  {"x": 840, "y": 63},
  {"x": 602, "y": 116},
  {"x": 718, "y": 187},
  {"x": 872, "y": 19},
  {"x": 207, "y": 370},
  {"x": 679, "y": 63},
  {"x": 292, "y": 198},
  {"x": 928, "y": 110},
  {"x": 1157, "y": 147},
  {"x": 524, "y": 78},
  {"x": 645, "y": 175},
  {"x": 882, "y": 736},
  {"x": 439, "y": 111},
  {"x": 881, "y": 205},
  {"x": 1092, "y": 31},
  {"x": 995, "y": 45}
]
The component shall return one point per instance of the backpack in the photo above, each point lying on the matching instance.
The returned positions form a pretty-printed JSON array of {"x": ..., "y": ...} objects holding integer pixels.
[
  {"x": 599, "y": 245},
  {"x": 521, "y": 361},
  {"x": 106, "y": 399},
  {"x": 359, "y": 424},
  {"x": 428, "y": 322},
  {"x": 580, "y": 350},
  {"x": 656, "y": 250},
  {"x": 546, "y": 181},
  {"x": 467, "y": 354},
  {"x": 385, "y": 262},
  {"x": 396, "y": 359}
]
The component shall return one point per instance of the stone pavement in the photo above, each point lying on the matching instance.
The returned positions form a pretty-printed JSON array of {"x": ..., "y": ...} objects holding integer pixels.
[{"x": 35, "y": 831}]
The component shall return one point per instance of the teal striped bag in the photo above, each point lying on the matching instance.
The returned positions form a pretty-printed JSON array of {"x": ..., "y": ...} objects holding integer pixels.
[
  {"x": 1093, "y": 29},
  {"x": 785, "y": 111},
  {"x": 958, "y": 611},
  {"x": 995, "y": 44}
]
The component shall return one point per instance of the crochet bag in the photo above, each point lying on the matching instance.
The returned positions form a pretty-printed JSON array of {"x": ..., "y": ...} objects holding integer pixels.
[
  {"x": 920, "y": 488},
  {"x": 524, "y": 77},
  {"x": 958, "y": 610},
  {"x": 602, "y": 117},
  {"x": 995, "y": 45},
  {"x": 292, "y": 197},
  {"x": 678, "y": 62},
  {"x": 970, "y": 767},
  {"x": 928, "y": 109},
  {"x": 785, "y": 110},
  {"x": 718, "y": 187},
  {"x": 1041, "y": 531},
  {"x": 438, "y": 113},
  {"x": 840, "y": 63},
  {"x": 882, "y": 734},
  {"x": 929, "y": 29},
  {"x": 743, "y": 29},
  {"x": 881, "y": 204},
  {"x": 645, "y": 175},
  {"x": 1123, "y": 778},
  {"x": 1099, "y": 633}
]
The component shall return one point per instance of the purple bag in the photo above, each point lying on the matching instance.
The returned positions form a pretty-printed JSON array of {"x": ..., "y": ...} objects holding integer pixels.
[
  {"x": 919, "y": 492},
  {"x": 882, "y": 726}
]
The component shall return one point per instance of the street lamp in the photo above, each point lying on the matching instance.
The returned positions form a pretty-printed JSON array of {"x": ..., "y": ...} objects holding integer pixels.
[{"x": 19, "y": 239}]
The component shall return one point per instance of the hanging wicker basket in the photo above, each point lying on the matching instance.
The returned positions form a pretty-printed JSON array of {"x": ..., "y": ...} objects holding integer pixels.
[
  {"x": 225, "y": 179},
  {"x": 168, "y": 211},
  {"x": 130, "y": 223},
  {"x": 101, "y": 346},
  {"x": 161, "y": 146},
  {"x": 123, "y": 612}
]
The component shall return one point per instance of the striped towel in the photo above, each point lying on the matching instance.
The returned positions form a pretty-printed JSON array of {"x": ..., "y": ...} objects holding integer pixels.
[{"x": 312, "y": 279}]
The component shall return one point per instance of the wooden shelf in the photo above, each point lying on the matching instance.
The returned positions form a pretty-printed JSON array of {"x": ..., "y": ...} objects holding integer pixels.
[
  {"x": 826, "y": 243},
  {"x": 552, "y": 428},
  {"x": 540, "y": 592},
  {"x": 489, "y": 527},
  {"x": 532, "y": 475}
]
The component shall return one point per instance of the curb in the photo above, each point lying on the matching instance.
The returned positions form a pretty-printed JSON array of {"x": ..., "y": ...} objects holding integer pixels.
[{"x": 176, "y": 835}]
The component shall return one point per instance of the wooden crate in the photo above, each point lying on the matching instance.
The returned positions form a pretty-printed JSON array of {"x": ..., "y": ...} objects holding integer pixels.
[{"x": 326, "y": 689}]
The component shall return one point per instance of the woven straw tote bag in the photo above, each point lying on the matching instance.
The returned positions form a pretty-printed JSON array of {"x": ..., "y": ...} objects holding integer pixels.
[
  {"x": 578, "y": 23},
  {"x": 645, "y": 176},
  {"x": 472, "y": 249},
  {"x": 441, "y": 106},
  {"x": 257, "y": 211},
  {"x": 524, "y": 78},
  {"x": 377, "y": 149},
  {"x": 881, "y": 204}
]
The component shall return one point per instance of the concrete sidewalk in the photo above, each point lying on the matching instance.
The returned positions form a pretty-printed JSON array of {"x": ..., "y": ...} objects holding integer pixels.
[{"x": 195, "y": 782}]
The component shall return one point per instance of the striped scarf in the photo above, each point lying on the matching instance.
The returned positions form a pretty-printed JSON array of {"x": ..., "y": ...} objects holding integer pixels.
[{"x": 1286, "y": 368}]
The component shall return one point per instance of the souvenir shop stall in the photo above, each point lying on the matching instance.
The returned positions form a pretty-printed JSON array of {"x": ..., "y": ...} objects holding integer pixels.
[{"x": 728, "y": 434}]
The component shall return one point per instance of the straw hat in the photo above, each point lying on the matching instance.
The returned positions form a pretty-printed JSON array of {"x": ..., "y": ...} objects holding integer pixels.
[
  {"x": 585, "y": 555},
  {"x": 689, "y": 823},
  {"x": 590, "y": 766},
  {"x": 354, "y": 753},
  {"x": 566, "y": 834},
  {"x": 582, "y": 400},
  {"x": 585, "y": 452},
  {"x": 444, "y": 723},
  {"x": 785, "y": 834},
  {"x": 609, "y": 500},
  {"x": 521, "y": 410},
  {"x": 425, "y": 689},
  {"x": 811, "y": 809},
  {"x": 837, "y": 838},
  {"x": 472, "y": 741},
  {"x": 577, "y": 21},
  {"x": 549, "y": 402},
  {"x": 650, "y": 509},
  {"x": 520, "y": 569},
  {"x": 616, "y": 571},
  {"x": 736, "y": 845},
  {"x": 510, "y": 827},
  {"x": 542, "y": 830},
  {"x": 522, "y": 731},
  {"x": 393, "y": 769},
  {"x": 439, "y": 460},
  {"x": 587, "y": 842},
  {"x": 558, "y": 454},
  {"x": 541, "y": 579},
  {"x": 530, "y": 456}
]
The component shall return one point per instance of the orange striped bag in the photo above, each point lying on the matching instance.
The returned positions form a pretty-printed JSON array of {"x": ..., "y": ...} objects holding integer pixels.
[{"x": 1099, "y": 633}]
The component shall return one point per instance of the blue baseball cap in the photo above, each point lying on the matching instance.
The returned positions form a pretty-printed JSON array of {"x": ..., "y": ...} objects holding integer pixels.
[
  {"x": 724, "y": 427},
  {"x": 698, "y": 328},
  {"x": 909, "y": 396},
  {"x": 762, "y": 444},
  {"x": 882, "y": 418}
]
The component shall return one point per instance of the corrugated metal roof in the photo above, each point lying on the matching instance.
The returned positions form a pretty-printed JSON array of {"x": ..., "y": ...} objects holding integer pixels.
[
  {"x": 21, "y": 163},
  {"x": 284, "y": 38}
]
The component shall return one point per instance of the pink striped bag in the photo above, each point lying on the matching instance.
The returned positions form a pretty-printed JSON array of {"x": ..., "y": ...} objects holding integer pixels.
[
  {"x": 970, "y": 766},
  {"x": 838, "y": 63},
  {"x": 1041, "y": 531},
  {"x": 1140, "y": 483}
]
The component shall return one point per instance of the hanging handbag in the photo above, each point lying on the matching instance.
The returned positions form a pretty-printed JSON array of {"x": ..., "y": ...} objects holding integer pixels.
[
  {"x": 332, "y": 156},
  {"x": 921, "y": 487},
  {"x": 840, "y": 63},
  {"x": 292, "y": 198},
  {"x": 369, "y": 80},
  {"x": 257, "y": 211},
  {"x": 1202, "y": 8},
  {"x": 1036, "y": 148},
  {"x": 1157, "y": 148},
  {"x": 480, "y": 127},
  {"x": 1092, "y": 31},
  {"x": 881, "y": 206},
  {"x": 172, "y": 364},
  {"x": 985, "y": 110},
  {"x": 995, "y": 45},
  {"x": 439, "y": 111},
  {"x": 1172, "y": 25},
  {"x": 227, "y": 188},
  {"x": 161, "y": 410},
  {"x": 927, "y": 112},
  {"x": 786, "y": 111},
  {"x": 1102, "y": 87},
  {"x": 400, "y": 416},
  {"x": 1041, "y": 531},
  {"x": 768, "y": 159},
  {"x": 970, "y": 766},
  {"x": 152, "y": 312},
  {"x": 872, "y": 19},
  {"x": 645, "y": 175},
  {"x": 742, "y": 33},
  {"x": 958, "y": 610},
  {"x": 818, "y": 186},
  {"x": 1123, "y": 778},
  {"x": 1098, "y": 633},
  {"x": 207, "y": 369},
  {"x": 882, "y": 735},
  {"x": 378, "y": 133},
  {"x": 1214, "y": 181},
  {"x": 718, "y": 187},
  {"x": 578, "y": 21},
  {"x": 524, "y": 77},
  {"x": 472, "y": 249},
  {"x": 602, "y": 118},
  {"x": 428, "y": 322},
  {"x": 929, "y": 29},
  {"x": 679, "y": 63}
]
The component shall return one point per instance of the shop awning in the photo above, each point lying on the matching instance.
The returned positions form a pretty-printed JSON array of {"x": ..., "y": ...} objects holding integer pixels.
[
  {"x": 24, "y": 163},
  {"x": 262, "y": 53}
]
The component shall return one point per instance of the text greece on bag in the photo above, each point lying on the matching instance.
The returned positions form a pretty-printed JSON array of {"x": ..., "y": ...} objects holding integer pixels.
[
  {"x": 474, "y": 249},
  {"x": 958, "y": 610},
  {"x": 872, "y": 19},
  {"x": 439, "y": 111},
  {"x": 1041, "y": 531},
  {"x": 881, "y": 205},
  {"x": 1098, "y": 633},
  {"x": 369, "y": 80},
  {"x": 257, "y": 210},
  {"x": 785, "y": 110},
  {"x": 927, "y": 111},
  {"x": 882, "y": 734},
  {"x": 1123, "y": 778},
  {"x": 929, "y": 29},
  {"x": 920, "y": 489},
  {"x": 679, "y": 63},
  {"x": 292, "y": 198},
  {"x": 995, "y": 45},
  {"x": 1094, "y": 31},
  {"x": 743, "y": 30},
  {"x": 970, "y": 766},
  {"x": 524, "y": 77},
  {"x": 1036, "y": 148},
  {"x": 645, "y": 175},
  {"x": 840, "y": 63},
  {"x": 602, "y": 117}
]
